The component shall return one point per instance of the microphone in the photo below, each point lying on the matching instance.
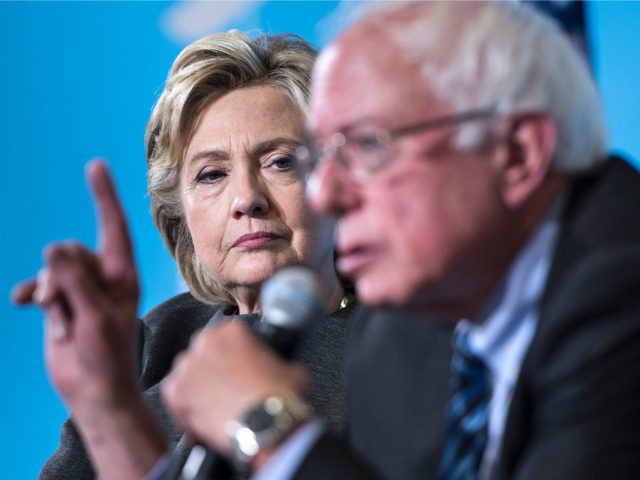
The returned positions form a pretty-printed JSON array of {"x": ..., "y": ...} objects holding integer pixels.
[{"x": 290, "y": 302}]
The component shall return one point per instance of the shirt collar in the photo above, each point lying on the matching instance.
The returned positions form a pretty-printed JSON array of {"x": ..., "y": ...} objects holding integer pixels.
[{"x": 500, "y": 321}]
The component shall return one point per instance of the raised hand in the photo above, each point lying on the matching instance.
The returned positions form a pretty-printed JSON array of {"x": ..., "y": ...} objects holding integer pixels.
[{"x": 90, "y": 301}]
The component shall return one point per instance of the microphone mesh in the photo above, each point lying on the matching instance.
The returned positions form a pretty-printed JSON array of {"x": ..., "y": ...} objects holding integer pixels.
[{"x": 292, "y": 298}]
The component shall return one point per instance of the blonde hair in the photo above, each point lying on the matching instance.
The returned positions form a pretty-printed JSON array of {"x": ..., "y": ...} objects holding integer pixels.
[{"x": 205, "y": 70}]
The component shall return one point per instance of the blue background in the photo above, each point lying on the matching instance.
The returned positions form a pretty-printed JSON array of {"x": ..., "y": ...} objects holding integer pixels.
[{"x": 78, "y": 80}]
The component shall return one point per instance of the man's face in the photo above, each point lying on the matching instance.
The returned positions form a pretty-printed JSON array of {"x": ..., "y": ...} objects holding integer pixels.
[{"x": 424, "y": 231}]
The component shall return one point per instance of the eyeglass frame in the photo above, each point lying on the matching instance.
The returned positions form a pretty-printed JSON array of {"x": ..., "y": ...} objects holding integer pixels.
[{"x": 311, "y": 156}]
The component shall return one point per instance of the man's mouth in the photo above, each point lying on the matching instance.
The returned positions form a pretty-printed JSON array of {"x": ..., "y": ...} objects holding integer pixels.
[{"x": 351, "y": 260}]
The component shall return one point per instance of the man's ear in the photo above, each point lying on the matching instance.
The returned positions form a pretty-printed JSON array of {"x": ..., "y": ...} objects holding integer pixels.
[{"x": 531, "y": 142}]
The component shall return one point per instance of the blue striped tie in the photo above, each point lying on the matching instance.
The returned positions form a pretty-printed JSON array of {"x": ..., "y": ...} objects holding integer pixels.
[{"x": 467, "y": 414}]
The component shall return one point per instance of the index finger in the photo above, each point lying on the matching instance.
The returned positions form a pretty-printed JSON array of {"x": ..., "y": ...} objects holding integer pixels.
[{"x": 115, "y": 247}]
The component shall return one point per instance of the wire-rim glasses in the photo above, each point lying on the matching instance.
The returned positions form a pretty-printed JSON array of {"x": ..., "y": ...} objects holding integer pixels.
[{"x": 362, "y": 151}]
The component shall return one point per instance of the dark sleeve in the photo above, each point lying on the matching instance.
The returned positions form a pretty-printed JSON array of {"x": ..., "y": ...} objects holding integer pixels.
[
  {"x": 69, "y": 461},
  {"x": 582, "y": 400},
  {"x": 331, "y": 458}
]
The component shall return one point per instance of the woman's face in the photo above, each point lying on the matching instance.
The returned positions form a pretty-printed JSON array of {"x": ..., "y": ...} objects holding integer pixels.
[{"x": 242, "y": 196}]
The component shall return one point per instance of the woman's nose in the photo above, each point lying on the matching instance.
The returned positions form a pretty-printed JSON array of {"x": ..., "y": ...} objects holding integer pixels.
[{"x": 250, "y": 197}]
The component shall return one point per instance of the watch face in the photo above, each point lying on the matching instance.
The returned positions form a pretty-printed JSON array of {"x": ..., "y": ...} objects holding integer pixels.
[
  {"x": 258, "y": 420},
  {"x": 264, "y": 425}
]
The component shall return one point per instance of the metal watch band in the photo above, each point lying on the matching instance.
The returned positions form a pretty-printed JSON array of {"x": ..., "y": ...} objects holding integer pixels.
[{"x": 264, "y": 426}]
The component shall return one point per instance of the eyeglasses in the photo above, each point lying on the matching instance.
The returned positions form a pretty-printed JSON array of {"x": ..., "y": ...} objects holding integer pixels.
[{"x": 363, "y": 150}]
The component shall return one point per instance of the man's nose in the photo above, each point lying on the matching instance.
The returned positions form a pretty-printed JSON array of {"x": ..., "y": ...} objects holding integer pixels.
[{"x": 330, "y": 189}]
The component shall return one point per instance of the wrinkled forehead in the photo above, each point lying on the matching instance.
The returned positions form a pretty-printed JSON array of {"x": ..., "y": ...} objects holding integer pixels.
[{"x": 365, "y": 74}]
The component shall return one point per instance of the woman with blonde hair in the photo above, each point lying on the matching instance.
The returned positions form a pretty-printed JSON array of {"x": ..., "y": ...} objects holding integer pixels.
[{"x": 228, "y": 199}]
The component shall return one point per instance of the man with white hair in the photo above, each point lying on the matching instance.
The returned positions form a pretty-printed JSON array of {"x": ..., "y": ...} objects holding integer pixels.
[{"x": 463, "y": 149}]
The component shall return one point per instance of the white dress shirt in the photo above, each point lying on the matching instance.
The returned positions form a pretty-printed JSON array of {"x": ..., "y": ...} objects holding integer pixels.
[{"x": 503, "y": 331}]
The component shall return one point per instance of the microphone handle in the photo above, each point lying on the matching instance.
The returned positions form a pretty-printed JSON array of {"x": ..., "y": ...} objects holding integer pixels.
[
  {"x": 205, "y": 464},
  {"x": 281, "y": 340}
]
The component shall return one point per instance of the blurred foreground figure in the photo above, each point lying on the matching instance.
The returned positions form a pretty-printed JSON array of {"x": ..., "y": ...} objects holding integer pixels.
[{"x": 462, "y": 148}]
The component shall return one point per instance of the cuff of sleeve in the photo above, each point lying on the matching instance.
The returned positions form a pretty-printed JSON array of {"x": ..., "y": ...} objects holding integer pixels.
[
  {"x": 162, "y": 465},
  {"x": 286, "y": 460}
]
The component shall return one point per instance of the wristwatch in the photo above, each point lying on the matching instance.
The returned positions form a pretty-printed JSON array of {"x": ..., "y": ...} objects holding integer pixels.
[{"x": 264, "y": 426}]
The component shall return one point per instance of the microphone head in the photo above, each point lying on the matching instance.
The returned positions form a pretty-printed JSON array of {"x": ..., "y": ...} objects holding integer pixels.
[{"x": 292, "y": 299}]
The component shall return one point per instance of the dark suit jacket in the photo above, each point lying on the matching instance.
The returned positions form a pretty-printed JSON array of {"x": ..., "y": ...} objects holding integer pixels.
[
  {"x": 397, "y": 389},
  {"x": 166, "y": 331},
  {"x": 575, "y": 413}
]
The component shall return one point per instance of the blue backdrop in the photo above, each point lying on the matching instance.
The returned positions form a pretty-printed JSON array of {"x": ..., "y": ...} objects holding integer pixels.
[{"x": 78, "y": 80}]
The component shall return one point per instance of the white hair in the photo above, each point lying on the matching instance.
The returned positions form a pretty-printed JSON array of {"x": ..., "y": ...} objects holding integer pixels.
[{"x": 506, "y": 56}]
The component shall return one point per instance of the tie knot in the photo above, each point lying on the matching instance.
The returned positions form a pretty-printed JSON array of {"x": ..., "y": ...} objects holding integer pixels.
[
  {"x": 462, "y": 346},
  {"x": 467, "y": 366}
]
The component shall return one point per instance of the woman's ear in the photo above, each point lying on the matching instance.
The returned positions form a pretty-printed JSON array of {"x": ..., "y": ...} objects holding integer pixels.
[{"x": 531, "y": 143}]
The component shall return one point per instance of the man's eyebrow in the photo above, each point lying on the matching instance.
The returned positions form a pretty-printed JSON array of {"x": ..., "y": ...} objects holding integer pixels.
[{"x": 368, "y": 121}]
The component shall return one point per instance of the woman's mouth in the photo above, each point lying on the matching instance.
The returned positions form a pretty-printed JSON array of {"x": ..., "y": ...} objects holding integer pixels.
[{"x": 255, "y": 240}]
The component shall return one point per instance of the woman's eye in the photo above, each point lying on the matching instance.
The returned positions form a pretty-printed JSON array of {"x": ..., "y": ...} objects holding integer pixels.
[
  {"x": 284, "y": 163},
  {"x": 210, "y": 175}
]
